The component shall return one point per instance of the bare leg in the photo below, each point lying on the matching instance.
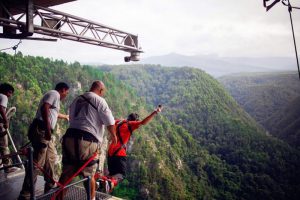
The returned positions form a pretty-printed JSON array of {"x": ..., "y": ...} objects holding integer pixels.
[
  {"x": 62, "y": 193},
  {"x": 49, "y": 166},
  {"x": 67, "y": 172},
  {"x": 93, "y": 187}
]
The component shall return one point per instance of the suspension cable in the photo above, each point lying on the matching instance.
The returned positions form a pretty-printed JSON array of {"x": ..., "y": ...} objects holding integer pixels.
[
  {"x": 290, "y": 8},
  {"x": 15, "y": 47}
]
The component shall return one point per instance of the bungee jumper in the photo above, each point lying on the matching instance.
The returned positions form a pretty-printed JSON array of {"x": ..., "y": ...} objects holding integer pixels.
[
  {"x": 85, "y": 113},
  {"x": 116, "y": 155},
  {"x": 23, "y": 20}
]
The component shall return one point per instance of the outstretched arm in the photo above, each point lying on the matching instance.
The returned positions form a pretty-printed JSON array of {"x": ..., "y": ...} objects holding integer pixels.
[{"x": 149, "y": 117}]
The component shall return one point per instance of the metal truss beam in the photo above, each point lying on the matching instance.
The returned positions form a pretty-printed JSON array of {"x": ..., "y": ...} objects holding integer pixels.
[{"x": 46, "y": 21}]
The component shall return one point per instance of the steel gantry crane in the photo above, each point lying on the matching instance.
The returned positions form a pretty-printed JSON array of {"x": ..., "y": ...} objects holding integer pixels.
[{"x": 21, "y": 19}]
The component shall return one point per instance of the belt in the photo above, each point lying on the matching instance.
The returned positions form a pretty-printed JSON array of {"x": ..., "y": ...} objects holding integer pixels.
[
  {"x": 41, "y": 124},
  {"x": 80, "y": 134}
]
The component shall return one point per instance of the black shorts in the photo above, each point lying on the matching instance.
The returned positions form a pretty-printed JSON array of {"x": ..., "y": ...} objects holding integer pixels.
[{"x": 116, "y": 165}]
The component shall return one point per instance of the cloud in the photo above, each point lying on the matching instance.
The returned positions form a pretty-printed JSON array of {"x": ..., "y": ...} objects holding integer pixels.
[{"x": 227, "y": 28}]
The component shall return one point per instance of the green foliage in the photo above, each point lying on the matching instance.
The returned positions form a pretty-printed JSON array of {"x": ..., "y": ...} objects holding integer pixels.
[
  {"x": 270, "y": 98},
  {"x": 203, "y": 146},
  {"x": 33, "y": 76},
  {"x": 125, "y": 191},
  {"x": 198, "y": 103}
]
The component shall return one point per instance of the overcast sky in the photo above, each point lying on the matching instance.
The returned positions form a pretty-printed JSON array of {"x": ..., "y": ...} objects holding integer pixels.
[{"x": 227, "y": 28}]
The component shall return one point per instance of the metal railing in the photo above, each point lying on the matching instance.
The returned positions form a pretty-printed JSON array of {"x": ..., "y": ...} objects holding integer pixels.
[{"x": 74, "y": 190}]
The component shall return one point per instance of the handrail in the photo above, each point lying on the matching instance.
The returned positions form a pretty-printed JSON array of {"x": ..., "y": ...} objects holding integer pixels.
[{"x": 50, "y": 193}]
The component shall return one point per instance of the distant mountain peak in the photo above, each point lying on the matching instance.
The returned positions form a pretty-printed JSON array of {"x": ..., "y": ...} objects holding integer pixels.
[{"x": 217, "y": 66}]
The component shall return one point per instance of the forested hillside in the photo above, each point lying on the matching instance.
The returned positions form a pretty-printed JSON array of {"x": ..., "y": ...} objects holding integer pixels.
[
  {"x": 285, "y": 123},
  {"x": 203, "y": 146},
  {"x": 272, "y": 99},
  {"x": 200, "y": 104},
  {"x": 165, "y": 161}
]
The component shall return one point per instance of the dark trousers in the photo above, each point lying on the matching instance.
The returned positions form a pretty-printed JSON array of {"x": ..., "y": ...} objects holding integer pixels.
[{"x": 116, "y": 165}]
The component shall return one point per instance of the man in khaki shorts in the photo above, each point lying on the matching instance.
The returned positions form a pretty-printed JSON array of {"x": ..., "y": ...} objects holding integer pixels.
[
  {"x": 89, "y": 114},
  {"x": 39, "y": 133},
  {"x": 6, "y": 91}
]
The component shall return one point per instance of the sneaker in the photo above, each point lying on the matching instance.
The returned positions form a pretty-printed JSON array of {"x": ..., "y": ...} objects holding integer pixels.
[
  {"x": 103, "y": 186},
  {"x": 101, "y": 183},
  {"x": 109, "y": 186},
  {"x": 12, "y": 169}
]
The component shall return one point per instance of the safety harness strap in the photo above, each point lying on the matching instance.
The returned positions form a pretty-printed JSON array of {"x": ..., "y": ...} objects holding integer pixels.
[
  {"x": 119, "y": 136},
  {"x": 62, "y": 186}
]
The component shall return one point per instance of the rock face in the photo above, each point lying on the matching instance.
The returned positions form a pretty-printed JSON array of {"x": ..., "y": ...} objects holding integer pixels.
[
  {"x": 179, "y": 164},
  {"x": 103, "y": 153},
  {"x": 77, "y": 87}
]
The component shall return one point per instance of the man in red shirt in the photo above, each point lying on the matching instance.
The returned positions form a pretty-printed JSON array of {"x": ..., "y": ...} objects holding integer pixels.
[{"x": 116, "y": 159}]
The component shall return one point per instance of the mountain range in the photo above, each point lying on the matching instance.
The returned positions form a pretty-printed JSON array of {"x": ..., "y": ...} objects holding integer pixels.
[{"x": 219, "y": 66}]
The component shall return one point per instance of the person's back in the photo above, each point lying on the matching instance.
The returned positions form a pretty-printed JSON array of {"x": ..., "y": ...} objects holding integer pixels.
[
  {"x": 116, "y": 158},
  {"x": 124, "y": 130},
  {"x": 53, "y": 98},
  {"x": 89, "y": 114}
]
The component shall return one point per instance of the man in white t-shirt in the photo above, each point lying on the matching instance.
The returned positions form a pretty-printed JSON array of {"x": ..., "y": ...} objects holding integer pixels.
[
  {"x": 39, "y": 134},
  {"x": 89, "y": 114},
  {"x": 6, "y": 91}
]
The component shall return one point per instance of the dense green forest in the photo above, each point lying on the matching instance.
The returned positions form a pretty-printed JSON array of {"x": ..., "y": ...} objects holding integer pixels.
[
  {"x": 203, "y": 146},
  {"x": 161, "y": 164},
  {"x": 272, "y": 99},
  {"x": 285, "y": 123},
  {"x": 197, "y": 102}
]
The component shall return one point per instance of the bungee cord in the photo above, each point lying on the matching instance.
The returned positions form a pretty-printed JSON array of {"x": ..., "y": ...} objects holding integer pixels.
[
  {"x": 287, "y": 3},
  {"x": 290, "y": 8},
  {"x": 15, "y": 47}
]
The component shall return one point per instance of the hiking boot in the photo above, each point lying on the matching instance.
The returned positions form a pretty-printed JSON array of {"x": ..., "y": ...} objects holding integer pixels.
[{"x": 12, "y": 169}]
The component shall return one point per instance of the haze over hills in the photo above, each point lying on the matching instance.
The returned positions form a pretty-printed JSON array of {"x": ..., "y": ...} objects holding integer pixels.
[
  {"x": 219, "y": 66},
  {"x": 272, "y": 99},
  {"x": 285, "y": 123}
]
